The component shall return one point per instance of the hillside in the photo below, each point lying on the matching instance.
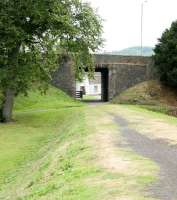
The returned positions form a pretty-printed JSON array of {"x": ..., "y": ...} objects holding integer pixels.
[
  {"x": 59, "y": 148},
  {"x": 152, "y": 95},
  {"x": 134, "y": 51},
  {"x": 53, "y": 99},
  {"x": 33, "y": 146}
]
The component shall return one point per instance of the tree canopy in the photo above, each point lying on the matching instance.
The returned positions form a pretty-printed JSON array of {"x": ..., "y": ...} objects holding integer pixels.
[
  {"x": 166, "y": 56},
  {"x": 33, "y": 33}
]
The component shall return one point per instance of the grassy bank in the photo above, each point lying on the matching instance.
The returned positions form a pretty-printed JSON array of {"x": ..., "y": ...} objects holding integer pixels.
[
  {"x": 46, "y": 153},
  {"x": 42, "y": 153},
  {"x": 57, "y": 149},
  {"x": 151, "y": 95},
  {"x": 121, "y": 165}
]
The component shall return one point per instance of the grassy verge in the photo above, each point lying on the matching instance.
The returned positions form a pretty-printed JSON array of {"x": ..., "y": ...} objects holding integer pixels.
[
  {"x": 122, "y": 166},
  {"x": 57, "y": 149},
  {"x": 31, "y": 130},
  {"x": 43, "y": 154},
  {"x": 91, "y": 97},
  {"x": 46, "y": 154},
  {"x": 154, "y": 125},
  {"x": 164, "y": 109},
  {"x": 151, "y": 95},
  {"x": 152, "y": 111}
]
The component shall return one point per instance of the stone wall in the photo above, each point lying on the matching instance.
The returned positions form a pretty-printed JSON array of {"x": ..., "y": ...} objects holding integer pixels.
[
  {"x": 123, "y": 76},
  {"x": 64, "y": 77},
  {"x": 102, "y": 59},
  {"x": 123, "y": 72}
]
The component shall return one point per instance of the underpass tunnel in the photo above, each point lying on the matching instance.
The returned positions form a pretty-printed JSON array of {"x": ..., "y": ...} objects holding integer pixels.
[{"x": 94, "y": 90}]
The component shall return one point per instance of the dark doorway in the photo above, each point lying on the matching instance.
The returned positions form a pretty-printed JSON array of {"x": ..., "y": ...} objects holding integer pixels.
[{"x": 104, "y": 83}]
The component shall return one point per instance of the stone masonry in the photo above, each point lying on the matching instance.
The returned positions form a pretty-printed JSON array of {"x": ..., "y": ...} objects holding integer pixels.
[
  {"x": 64, "y": 77},
  {"x": 123, "y": 72}
]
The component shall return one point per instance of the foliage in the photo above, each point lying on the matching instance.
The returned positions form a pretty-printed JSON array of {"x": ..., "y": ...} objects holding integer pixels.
[
  {"x": 166, "y": 56},
  {"x": 33, "y": 33},
  {"x": 30, "y": 33}
]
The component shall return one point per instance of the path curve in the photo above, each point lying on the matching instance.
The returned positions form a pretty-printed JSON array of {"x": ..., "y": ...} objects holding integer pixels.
[{"x": 160, "y": 152}]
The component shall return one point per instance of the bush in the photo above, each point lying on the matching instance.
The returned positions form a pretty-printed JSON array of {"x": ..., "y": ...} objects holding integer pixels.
[{"x": 166, "y": 56}]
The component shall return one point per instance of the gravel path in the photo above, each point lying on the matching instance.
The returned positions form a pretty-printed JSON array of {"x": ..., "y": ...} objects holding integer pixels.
[{"x": 160, "y": 152}]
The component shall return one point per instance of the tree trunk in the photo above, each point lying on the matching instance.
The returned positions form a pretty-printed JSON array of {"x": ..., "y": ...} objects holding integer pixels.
[
  {"x": 1, "y": 114},
  {"x": 9, "y": 93},
  {"x": 7, "y": 107}
]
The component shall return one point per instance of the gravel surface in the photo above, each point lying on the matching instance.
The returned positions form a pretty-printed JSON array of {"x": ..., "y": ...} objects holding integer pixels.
[{"x": 160, "y": 152}]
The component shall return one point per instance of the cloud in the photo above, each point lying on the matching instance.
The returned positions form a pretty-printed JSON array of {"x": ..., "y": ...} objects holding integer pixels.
[{"x": 122, "y": 21}]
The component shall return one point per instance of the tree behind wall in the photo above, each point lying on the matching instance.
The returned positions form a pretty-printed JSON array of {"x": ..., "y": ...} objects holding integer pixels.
[
  {"x": 166, "y": 56},
  {"x": 32, "y": 35}
]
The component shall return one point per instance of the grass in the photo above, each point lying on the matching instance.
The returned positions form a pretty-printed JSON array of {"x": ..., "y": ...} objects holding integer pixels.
[
  {"x": 153, "y": 111},
  {"x": 52, "y": 152},
  {"x": 154, "y": 125},
  {"x": 55, "y": 99},
  {"x": 19, "y": 140},
  {"x": 150, "y": 95},
  {"x": 91, "y": 97},
  {"x": 122, "y": 165},
  {"x": 43, "y": 154}
]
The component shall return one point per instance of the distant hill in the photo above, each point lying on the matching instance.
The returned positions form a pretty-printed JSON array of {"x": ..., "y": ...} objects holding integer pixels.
[{"x": 134, "y": 51}]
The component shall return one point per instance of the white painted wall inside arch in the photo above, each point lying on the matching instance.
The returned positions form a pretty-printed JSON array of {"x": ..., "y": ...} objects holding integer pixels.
[{"x": 92, "y": 87}]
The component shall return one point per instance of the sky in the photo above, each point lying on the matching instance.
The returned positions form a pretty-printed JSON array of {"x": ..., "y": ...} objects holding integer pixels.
[{"x": 122, "y": 21}]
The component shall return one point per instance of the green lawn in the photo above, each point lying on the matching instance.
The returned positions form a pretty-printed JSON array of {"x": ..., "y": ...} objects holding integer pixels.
[
  {"x": 45, "y": 153},
  {"x": 32, "y": 129},
  {"x": 35, "y": 147},
  {"x": 91, "y": 97},
  {"x": 49, "y": 153},
  {"x": 151, "y": 95}
]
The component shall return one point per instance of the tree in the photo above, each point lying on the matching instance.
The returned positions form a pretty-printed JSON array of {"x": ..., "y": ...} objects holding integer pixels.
[
  {"x": 33, "y": 33},
  {"x": 166, "y": 56}
]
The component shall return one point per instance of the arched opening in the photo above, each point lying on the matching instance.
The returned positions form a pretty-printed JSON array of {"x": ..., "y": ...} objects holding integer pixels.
[{"x": 94, "y": 90}]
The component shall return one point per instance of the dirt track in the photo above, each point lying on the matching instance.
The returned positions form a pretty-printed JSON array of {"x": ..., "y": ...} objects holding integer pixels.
[{"x": 159, "y": 151}]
